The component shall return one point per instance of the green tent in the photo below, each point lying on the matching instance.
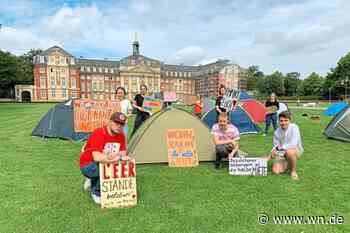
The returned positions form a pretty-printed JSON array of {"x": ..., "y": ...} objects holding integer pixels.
[
  {"x": 149, "y": 144},
  {"x": 339, "y": 127}
]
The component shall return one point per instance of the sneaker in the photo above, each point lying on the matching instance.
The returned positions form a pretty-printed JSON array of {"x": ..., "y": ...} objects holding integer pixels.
[
  {"x": 96, "y": 198},
  {"x": 87, "y": 185}
]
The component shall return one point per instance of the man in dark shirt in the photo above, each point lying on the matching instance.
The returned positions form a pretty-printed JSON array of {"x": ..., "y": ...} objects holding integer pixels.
[
  {"x": 141, "y": 114},
  {"x": 272, "y": 106}
]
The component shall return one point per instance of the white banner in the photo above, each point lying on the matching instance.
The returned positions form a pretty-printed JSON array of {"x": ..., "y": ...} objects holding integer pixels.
[{"x": 248, "y": 167}]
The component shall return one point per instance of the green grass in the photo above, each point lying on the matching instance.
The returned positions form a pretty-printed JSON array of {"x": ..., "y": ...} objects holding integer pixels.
[{"x": 42, "y": 186}]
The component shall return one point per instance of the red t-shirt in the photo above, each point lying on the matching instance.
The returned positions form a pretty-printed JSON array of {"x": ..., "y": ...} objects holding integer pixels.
[
  {"x": 198, "y": 107},
  {"x": 101, "y": 141}
]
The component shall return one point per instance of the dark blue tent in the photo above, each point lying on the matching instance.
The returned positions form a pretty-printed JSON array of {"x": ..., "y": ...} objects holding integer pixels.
[
  {"x": 244, "y": 96},
  {"x": 239, "y": 117},
  {"x": 59, "y": 123},
  {"x": 335, "y": 108}
]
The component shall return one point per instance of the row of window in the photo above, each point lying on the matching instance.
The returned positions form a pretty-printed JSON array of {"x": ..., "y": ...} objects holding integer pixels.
[
  {"x": 178, "y": 74},
  {"x": 53, "y": 93},
  {"x": 98, "y": 69}
]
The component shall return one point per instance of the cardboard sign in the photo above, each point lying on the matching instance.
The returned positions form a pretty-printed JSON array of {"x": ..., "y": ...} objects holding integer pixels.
[
  {"x": 181, "y": 148},
  {"x": 271, "y": 109},
  {"x": 152, "y": 105},
  {"x": 248, "y": 167},
  {"x": 118, "y": 184},
  {"x": 230, "y": 99},
  {"x": 169, "y": 96},
  {"x": 92, "y": 114}
]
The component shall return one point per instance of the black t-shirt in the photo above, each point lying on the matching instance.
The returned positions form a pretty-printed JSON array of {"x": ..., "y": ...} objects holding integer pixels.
[
  {"x": 218, "y": 102},
  {"x": 268, "y": 103},
  {"x": 139, "y": 102}
]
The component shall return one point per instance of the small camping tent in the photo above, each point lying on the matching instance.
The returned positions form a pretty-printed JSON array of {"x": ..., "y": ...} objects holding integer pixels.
[
  {"x": 58, "y": 123},
  {"x": 244, "y": 96},
  {"x": 282, "y": 107},
  {"x": 335, "y": 108},
  {"x": 149, "y": 143},
  {"x": 239, "y": 117},
  {"x": 339, "y": 126},
  {"x": 255, "y": 109}
]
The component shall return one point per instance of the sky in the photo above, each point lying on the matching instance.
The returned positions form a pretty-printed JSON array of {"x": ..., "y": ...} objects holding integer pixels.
[{"x": 290, "y": 36}]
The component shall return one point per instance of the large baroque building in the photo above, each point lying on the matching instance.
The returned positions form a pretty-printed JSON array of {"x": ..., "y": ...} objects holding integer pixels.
[{"x": 60, "y": 76}]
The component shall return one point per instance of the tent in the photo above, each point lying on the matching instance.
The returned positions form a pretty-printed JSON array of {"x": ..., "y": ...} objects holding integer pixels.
[
  {"x": 335, "y": 108},
  {"x": 149, "y": 144},
  {"x": 255, "y": 109},
  {"x": 339, "y": 127},
  {"x": 58, "y": 123},
  {"x": 282, "y": 107},
  {"x": 239, "y": 117},
  {"x": 244, "y": 96}
]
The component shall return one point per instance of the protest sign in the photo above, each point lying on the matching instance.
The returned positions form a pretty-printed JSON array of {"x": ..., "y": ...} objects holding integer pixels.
[
  {"x": 118, "y": 184},
  {"x": 229, "y": 100},
  {"x": 92, "y": 114},
  {"x": 169, "y": 96},
  {"x": 181, "y": 148},
  {"x": 248, "y": 167},
  {"x": 271, "y": 109},
  {"x": 152, "y": 105}
]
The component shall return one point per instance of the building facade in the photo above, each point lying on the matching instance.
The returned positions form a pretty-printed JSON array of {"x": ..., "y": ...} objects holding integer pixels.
[{"x": 59, "y": 76}]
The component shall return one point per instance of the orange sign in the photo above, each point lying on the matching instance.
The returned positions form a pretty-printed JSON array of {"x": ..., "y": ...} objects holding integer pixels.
[
  {"x": 118, "y": 184},
  {"x": 181, "y": 148},
  {"x": 92, "y": 114}
]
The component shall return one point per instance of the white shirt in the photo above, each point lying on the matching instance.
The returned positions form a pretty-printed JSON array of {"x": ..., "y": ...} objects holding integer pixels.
[
  {"x": 125, "y": 106},
  {"x": 288, "y": 138}
]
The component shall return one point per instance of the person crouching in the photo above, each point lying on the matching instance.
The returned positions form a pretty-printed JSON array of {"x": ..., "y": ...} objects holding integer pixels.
[{"x": 226, "y": 137}]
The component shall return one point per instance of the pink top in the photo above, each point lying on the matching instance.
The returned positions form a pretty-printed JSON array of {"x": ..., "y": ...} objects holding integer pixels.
[{"x": 231, "y": 132}]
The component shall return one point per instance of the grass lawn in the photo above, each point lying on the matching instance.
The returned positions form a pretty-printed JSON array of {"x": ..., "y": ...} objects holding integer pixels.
[{"x": 43, "y": 187}]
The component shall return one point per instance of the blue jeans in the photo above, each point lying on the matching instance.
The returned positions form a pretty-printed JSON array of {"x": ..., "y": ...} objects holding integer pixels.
[
  {"x": 92, "y": 172},
  {"x": 270, "y": 118}
]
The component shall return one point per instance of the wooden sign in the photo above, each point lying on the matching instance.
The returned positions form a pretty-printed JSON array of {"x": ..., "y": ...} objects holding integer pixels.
[
  {"x": 248, "y": 167},
  {"x": 152, "y": 105},
  {"x": 169, "y": 96},
  {"x": 182, "y": 150},
  {"x": 230, "y": 99},
  {"x": 92, "y": 114},
  {"x": 118, "y": 184}
]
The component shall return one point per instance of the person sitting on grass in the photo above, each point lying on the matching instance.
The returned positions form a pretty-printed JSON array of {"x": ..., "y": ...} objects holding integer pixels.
[
  {"x": 287, "y": 146},
  {"x": 105, "y": 145},
  {"x": 226, "y": 137}
]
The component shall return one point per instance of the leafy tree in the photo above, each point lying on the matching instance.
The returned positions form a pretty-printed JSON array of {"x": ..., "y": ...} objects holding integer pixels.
[
  {"x": 312, "y": 85},
  {"x": 254, "y": 77},
  {"x": 272, "y": 83},
  {"x": 291, "y": 83}
]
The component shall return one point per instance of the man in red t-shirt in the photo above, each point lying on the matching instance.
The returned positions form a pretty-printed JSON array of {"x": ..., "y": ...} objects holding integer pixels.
[{"x": 105, "y": 145}]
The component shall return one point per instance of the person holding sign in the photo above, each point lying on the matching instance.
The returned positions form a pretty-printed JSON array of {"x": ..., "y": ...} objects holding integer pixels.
[
  {"x": 226, "y": 137},
  {"x": 125, "y": 106},
  {"x": 141, "y": 113},
  {"x": 105, "y": 145},
  {"x": 272, "y": 106},
  {"x": 218, "y": 102},
  {"x": 287, "y": 146}
]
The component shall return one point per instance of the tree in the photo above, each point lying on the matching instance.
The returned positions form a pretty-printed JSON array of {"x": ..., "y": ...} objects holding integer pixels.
[
  {"x": 291, "y": 83},
  {"x": 312, "y": 85},
  {"x": 254, "y": 77},
  {"x": 272, "y": 83},
  {"x": 28, "y": 65}
]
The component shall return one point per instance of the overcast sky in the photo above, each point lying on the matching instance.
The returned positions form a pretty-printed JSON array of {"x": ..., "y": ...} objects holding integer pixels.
[{"x": 285, "y": 35}]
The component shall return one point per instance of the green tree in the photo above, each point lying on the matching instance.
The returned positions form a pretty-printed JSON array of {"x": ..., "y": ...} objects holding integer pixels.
[
  {"x": 312, "y": 85},
  {"x": 272, "y": 83},
  {"x": 254, "y": 77},
  {"x": 291, "y": 83}
]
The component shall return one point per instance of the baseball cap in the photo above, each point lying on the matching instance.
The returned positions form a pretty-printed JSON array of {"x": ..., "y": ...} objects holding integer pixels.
[{"x": 118, "y": 117}]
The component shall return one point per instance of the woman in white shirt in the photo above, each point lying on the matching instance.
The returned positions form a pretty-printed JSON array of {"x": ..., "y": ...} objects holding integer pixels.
[{"x": 125, "y": 106}]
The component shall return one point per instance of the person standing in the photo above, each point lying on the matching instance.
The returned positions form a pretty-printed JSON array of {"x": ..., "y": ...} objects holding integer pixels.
[
  {"x": 219, "y": 110},
  {"x": 125, "y": 107},
  {"x": 141, "y": 113},
  {"x": 272, "y": 106}
]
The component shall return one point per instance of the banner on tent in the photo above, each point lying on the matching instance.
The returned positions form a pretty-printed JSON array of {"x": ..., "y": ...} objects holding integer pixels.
[
  {"x": 169, "y": 96},
  {"x": 248, "y": 167},
  {"x": 118, "y": 184},
  {"x": 229, "y": 100},
  {"x": 92, "y": 114},
  {"x": 182, "y": 150},
  {"x": 152, "y": 105}
]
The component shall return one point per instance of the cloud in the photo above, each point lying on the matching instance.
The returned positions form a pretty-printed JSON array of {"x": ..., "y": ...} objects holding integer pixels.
[{"x": 189, "y": 55}]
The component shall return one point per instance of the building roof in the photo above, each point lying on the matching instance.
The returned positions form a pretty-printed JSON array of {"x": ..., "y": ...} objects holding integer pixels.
[{"x": 55, "y": 48}]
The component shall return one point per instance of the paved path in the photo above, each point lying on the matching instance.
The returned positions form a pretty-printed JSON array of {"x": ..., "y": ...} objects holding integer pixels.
[{"x": 307, "y": 108}]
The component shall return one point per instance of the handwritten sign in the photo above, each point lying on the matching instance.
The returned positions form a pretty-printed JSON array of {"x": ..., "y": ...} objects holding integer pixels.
[
  {"x": 271, "y": 109},
  {"x": 248, "y": 167},
  {"x": 152, "y": 105},
  {"x": 92, "y": 114},
  {"x": 169, "y": 96},
  {"x": 118, "y": 184},
  {"x": 229, "y": 100},
  {"x": 181, "y": 148}
]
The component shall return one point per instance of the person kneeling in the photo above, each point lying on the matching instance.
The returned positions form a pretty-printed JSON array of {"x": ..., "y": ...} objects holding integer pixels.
[
  {"x": 226, "y": 137},
  {"x": 287, "y": 146},
  {"x": 105, "y": 145}
]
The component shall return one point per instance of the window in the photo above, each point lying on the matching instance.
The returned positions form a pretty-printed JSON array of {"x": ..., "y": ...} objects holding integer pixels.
[
  {"x": 74, "y": 83},
  {"x": 64, "y": 93},
  {"x": 100, "y": 69},
  {"x": 100, "y": 88},
  {"x": 94, "y": 69},
  {"x": 88, "y": 69},
  {"x": 42, "y": 70},
  {"x": 53, "y": 82},
  {"x": 43, "y": 81},
  {"x": 106, "y": 70},
  {"x": 43, "y": 93},
  {"x": 175, "y": 74},
  {"x": 74, "y": 94},
  {"x": 53, "y": 92},
  {"x": 83, "y": 86},
  {"x": 63, "y": 60},
  {"x": 57, "y": 60},
  {"x": 112, "y": 70},
  {"x": 63, "y": 82},
  {"x": 82, "y": 68}
]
